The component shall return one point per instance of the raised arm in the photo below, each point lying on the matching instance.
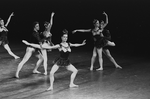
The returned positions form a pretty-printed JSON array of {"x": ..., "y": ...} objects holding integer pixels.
[
  {"x": 106, "y": 19},
  {"x": 12, "y": 14},
  {"x": 77, "y": 45},
  {"x": 81, "y": 30},
  {"x": 51, "y": 21}
]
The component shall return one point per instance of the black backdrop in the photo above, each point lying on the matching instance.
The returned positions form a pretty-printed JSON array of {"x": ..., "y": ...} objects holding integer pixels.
[{"x": 128, "y": 20}]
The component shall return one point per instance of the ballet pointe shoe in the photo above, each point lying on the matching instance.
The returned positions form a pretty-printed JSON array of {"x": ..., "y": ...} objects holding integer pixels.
[
  {"x": 49, "y": 89},
  {"x": 73, "y": 86},
  {"x": 45, "y": 73},
  {"x": 91, "y": 68},
  {"x": 99, "y": 69},
  {"x": 118, "y": 67},
  {"x": 16, "y": 57},
  {"x": 17, "y": 76},
  {"x": 36, "y": 72}
]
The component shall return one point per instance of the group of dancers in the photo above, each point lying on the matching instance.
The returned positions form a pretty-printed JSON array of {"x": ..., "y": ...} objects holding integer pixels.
[{"x": 41, "y": 43}]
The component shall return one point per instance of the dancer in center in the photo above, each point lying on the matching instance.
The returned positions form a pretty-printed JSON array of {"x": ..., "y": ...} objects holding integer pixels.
[
  {"x": 62, "y": 61},
  {"x": 100, "y": 42}
]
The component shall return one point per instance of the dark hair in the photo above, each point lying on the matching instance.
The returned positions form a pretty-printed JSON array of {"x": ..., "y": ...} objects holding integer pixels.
[
  {"x": 46, "y": 24},
  {"x": 35, "y": 23},
  {"x": 65, "y": 32},
  {"x": 94, "y": 21}
]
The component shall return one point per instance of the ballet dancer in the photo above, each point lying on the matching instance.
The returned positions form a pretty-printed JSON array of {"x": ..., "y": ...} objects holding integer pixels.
[
  {"x": 3, "y": 36},
  {"x": 63, "y": 60},
  {"x": 100, "y": 41},
  {"x": 46, "y": 40}
]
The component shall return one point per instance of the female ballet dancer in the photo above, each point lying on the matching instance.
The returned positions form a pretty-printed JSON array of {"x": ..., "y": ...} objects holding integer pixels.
[
  {"x": 100, "y": 41},
  {"x": 46, "y": 40},
  {"x": 3, "y": 36},
  {"x": 62, "y": 61}
]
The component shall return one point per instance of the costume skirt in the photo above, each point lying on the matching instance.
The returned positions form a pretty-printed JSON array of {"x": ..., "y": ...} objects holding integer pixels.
[
  {"x": 100, "y": 43},
  {"x": 3, "y": 40},
  {"x": 62, "y": 62}
]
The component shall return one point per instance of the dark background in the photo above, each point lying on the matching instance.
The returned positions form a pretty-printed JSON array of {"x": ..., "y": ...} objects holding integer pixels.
[{"x": 128, "y": 21}]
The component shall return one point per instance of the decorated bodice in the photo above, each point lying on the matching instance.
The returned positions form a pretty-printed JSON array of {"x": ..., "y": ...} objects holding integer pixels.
[
  {"x": 97, "y": 35},
  {"x": 47, "y": 37},
  {"x": 64, "y": 50},
  {"x": 4, "y": 32}
]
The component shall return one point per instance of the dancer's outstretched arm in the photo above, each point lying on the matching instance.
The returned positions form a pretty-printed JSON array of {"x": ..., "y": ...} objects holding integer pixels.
[
  {"x": 12, "y": 14},
  {"x": 41, "y": 46},
  {"x": 51, "y": 21},
  {"x": 77, "y": 45},
  {"x": 81, "y": 30},
  {"x": 50, "y": 47},
  {"x": 106, "y": 20}
]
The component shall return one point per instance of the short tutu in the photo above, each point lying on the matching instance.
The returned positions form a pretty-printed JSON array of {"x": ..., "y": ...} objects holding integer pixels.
[
  {"x": 3, "y": 40},
  {"x": 62, "y": 62},
  {"x": 100, "y": 43}
]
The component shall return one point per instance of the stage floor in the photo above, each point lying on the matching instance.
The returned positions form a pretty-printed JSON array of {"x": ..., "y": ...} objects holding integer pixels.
[{"x": 131, "y": 82}]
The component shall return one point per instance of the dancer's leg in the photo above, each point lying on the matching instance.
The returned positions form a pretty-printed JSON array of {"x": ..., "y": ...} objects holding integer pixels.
[
  {"x": 73, "y": 75},
  {"x": 31, "y": 44},
  {"x": 6, "y": 46},
  {"x": 24, "y": 60},
  {"x": 93, "y": 58},
  {"x": 38, "y": 63},
  {"x": 99, "y": 51},
  {"x": 44, "y": 54},
  {"x": 109, "y": 43},
  {"x": 107, "y": 53},
  {"x": 53, "y": 70}
]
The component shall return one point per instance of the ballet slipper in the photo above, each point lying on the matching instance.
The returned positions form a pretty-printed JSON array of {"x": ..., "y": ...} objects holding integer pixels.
[
  {"x": 118, "y": 67},
  {"x": 16, "y": 57},
  {"x": 45, "y": 73},
  {"x": 73, "y": 86},
  {"x": 36, "y": 72},
  {"x": 49, "y": 89},
  {"x": 17, "y": 76},
  {"x": 91, "y": 68},
  {"x": 99, "y": 68}
]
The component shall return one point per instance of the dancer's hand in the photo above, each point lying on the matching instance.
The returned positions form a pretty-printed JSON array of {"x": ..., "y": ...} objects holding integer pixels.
[
  {"x": 52, "y": 13},
  {"x": 25, "y": 42},
  {"x": 104, "y": 13},
  {"x": 12, "y": 14},
  {"x": 74, "y": 31},
  {"x": 84, "y": 42}
]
